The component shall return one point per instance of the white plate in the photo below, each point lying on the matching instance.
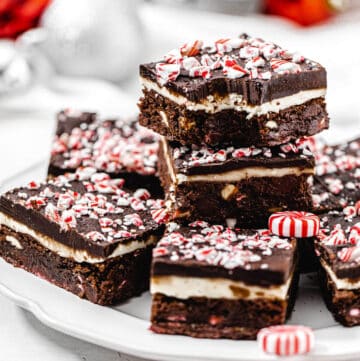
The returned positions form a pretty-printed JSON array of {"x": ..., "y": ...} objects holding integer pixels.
[{"x": 125, "y": 328}]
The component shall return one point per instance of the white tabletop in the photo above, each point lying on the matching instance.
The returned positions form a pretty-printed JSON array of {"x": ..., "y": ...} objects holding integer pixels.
[{"x": 27, "y": 122}]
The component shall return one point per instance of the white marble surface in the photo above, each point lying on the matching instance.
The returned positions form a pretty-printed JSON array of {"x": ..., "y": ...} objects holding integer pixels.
[{"x": 27, "y": 121}]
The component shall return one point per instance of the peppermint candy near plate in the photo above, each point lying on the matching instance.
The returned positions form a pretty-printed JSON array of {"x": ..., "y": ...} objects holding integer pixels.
[
  {"x": 294, "y": 224},
  {"x": 286, "y": 340}
]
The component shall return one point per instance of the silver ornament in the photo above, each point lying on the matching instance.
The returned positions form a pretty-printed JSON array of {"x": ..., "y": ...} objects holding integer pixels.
[
  {"x": 15, "y": 72},
  {"x": 97, "y": 38}
]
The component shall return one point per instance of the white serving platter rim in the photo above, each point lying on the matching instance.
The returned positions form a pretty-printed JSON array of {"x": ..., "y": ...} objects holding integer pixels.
[{"x": 125, "y": 328}]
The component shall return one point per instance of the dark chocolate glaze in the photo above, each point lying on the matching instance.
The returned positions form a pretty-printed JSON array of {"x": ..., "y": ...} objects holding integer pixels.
[
  {"x": 280, "y": 264},
  {"x": 14, "y": 206},
  {"x": 135, "y": 174},
  {"x": 337, "y": 182},
  {"x": 181, "y": 163},
  {"x": 68, "y": 119},
  {"x": 350, "y": 270},
  {"x": 254, "y": 91}
]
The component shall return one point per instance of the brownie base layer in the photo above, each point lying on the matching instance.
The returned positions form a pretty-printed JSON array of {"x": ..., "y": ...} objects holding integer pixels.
[
  {"x": 107, "y": 283},
  {"x": 343, "y": 304},
  {"x": 133, "y": 181},
  {"x": 261, "y": 198},
  {"x": 219, "y": 318},
  {"x": 250, "y": 201},
  {"x": 231, "y": 126}
]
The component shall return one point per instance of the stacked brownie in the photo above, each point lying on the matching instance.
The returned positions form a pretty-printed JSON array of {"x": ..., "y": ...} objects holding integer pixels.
[{"x": 233, "y": 116}]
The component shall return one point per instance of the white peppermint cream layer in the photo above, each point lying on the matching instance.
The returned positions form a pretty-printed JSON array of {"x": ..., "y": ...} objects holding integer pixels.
[
  {"x": 187, "y": 287},
  {"x": 236, "y": 101},
  {"x": 340, "y": 283},
  {"x": 244, "y": 173},
  {"x": 64, "y": 250},
  {"x": 233, "y": 175}
]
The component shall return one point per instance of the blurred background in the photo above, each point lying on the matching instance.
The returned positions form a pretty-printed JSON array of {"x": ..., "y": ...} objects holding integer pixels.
[{"x": 85, "y": 54}]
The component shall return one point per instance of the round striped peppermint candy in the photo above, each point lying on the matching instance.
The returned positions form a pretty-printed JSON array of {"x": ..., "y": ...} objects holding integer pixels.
[
  {"x": 294, "y": 224},
  {"x": 286, "y": 340}
]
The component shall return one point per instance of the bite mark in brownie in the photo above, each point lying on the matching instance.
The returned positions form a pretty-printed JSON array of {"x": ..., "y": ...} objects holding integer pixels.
[
  {"x": 119, "y": 147},
  {"x": 82, "y": 228},
  {"x": 245, "y": 184},
  {"x": 212, "y": 281},
  {"x": 231, "y": 126}
]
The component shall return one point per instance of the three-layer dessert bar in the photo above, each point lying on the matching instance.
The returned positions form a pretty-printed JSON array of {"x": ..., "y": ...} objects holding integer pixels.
[
  {"x": 83, "y": 232},
  {"x": 338, "y": 248},
  {"x": 245, "y": 184},
  {"x": 242, "y": 91},
  {"x": 212, "y": 281}
]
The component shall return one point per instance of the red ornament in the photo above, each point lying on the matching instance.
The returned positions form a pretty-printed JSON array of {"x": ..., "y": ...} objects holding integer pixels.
[
  {"x": 303, "y": 12},
  {"x": 17, "y": 16}
]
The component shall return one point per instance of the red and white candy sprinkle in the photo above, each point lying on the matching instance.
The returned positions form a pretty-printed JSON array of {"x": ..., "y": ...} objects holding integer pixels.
[
  {"x": 283, "y": 66},
  {"x": 336, "y": 237},
  {"x": 286, "y": 340},
  {"x": 33, "y": 185},
  {"x": 197, "y": 155},
  {"x": 233, "y": 70},
  {"x": 220, "y": 246},
  {"x": 191, "y": 48},
  {"x": 68, "y": 220},
  {"x": 167, "y": 72},
  {"x": 190, "y": 63},
  {"x": 160, "y": 215},
  {"x": 294, "y": 224},
  {"x": 245, "y": 52},
  {"x": 351, "y": 254},
  {"x": 111, "y": 211},
  {"x": 354, "y": 235},
  {"x": 109, "y": 147},
  {"x": 96, "y": 236}
]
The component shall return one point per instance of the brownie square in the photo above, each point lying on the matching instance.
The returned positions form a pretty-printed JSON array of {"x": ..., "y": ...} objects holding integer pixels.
[
  {"x": 244, "y": 184},
  {"x": 336, "y": 185},
  {"x": 119, "y": 147},
  {"x": 243, "y": 91},
  {"x": 211, "y": 281},
  {"x": 338, "y": 249},
  {"x": 83, "y": 232}
]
